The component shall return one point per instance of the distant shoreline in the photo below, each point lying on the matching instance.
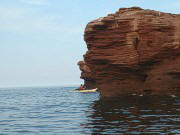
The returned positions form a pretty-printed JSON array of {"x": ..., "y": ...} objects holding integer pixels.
[{"x": 51, "y": 86}]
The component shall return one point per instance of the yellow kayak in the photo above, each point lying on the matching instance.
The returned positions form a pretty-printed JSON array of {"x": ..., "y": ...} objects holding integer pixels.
[{"x": 91, "y": 90}]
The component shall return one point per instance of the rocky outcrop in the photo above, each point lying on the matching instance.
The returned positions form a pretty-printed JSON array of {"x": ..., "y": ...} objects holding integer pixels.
[
  {"x": 133, "y": 51},
  {"x": 87, "y": 75}
]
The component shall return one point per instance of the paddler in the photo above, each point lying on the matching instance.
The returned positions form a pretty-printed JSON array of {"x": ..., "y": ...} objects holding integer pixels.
[{"x": 81, "y": 87}]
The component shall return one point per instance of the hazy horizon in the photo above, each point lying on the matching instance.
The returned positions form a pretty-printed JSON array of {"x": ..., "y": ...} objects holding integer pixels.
[
  {"x": 39, "y": 86},
  {"x": 42, "y": 40}
]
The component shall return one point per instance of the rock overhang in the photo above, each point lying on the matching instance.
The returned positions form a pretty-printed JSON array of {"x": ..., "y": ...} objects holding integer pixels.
[{"x": 134, "y": 50}]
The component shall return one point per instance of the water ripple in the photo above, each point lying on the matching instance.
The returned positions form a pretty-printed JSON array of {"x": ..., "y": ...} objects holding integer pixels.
[{"x": 59, "y": 111}]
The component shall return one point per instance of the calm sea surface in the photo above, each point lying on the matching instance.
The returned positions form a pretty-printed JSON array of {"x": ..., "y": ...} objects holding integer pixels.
[{"x": 57, "y": 110}]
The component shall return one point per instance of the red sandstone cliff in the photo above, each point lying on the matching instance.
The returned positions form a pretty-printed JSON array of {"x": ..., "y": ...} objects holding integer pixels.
[
  {"x": 133, "y": 51},
  {"x": 87, "y": 75}
]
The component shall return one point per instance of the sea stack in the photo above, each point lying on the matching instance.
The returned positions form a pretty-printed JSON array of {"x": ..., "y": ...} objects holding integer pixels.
[{"x": 133, "y": 51}]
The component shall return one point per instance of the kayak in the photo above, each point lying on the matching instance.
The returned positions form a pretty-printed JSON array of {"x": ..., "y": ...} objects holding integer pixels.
[{"x": 90, "y": 90}]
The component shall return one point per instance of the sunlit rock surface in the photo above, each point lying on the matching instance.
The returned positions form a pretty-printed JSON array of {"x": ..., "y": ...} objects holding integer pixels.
[{"x": 133, "y": 51}]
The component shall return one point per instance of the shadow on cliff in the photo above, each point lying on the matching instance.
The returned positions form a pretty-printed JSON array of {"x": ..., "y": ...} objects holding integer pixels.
[{"x": 134, "y": 115}]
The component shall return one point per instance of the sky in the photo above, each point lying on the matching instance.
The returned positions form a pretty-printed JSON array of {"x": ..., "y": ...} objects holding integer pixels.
[{"x": 41, "y": 41}]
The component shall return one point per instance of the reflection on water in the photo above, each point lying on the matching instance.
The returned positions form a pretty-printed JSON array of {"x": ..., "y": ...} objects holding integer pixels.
[
  {"x": 59, "y": 111},
  {"x": 134, "y": 115}
]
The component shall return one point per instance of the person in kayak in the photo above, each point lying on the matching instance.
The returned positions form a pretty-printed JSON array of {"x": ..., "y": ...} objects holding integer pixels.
[{"x": 81, "y": 87}]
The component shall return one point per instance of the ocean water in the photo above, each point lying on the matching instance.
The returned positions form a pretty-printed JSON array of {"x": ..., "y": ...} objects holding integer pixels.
[{"x": 58, "y": 111}]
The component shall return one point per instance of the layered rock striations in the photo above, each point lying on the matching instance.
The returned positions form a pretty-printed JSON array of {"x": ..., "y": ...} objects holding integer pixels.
[
  {"x": 133, "y": 51},
  {"x": 87, "y": 75}
]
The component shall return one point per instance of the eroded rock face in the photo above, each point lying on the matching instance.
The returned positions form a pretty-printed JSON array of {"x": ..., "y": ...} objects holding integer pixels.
[
  {"x": 133, "y": 51},
  {"x": 87, "y": 75}
]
